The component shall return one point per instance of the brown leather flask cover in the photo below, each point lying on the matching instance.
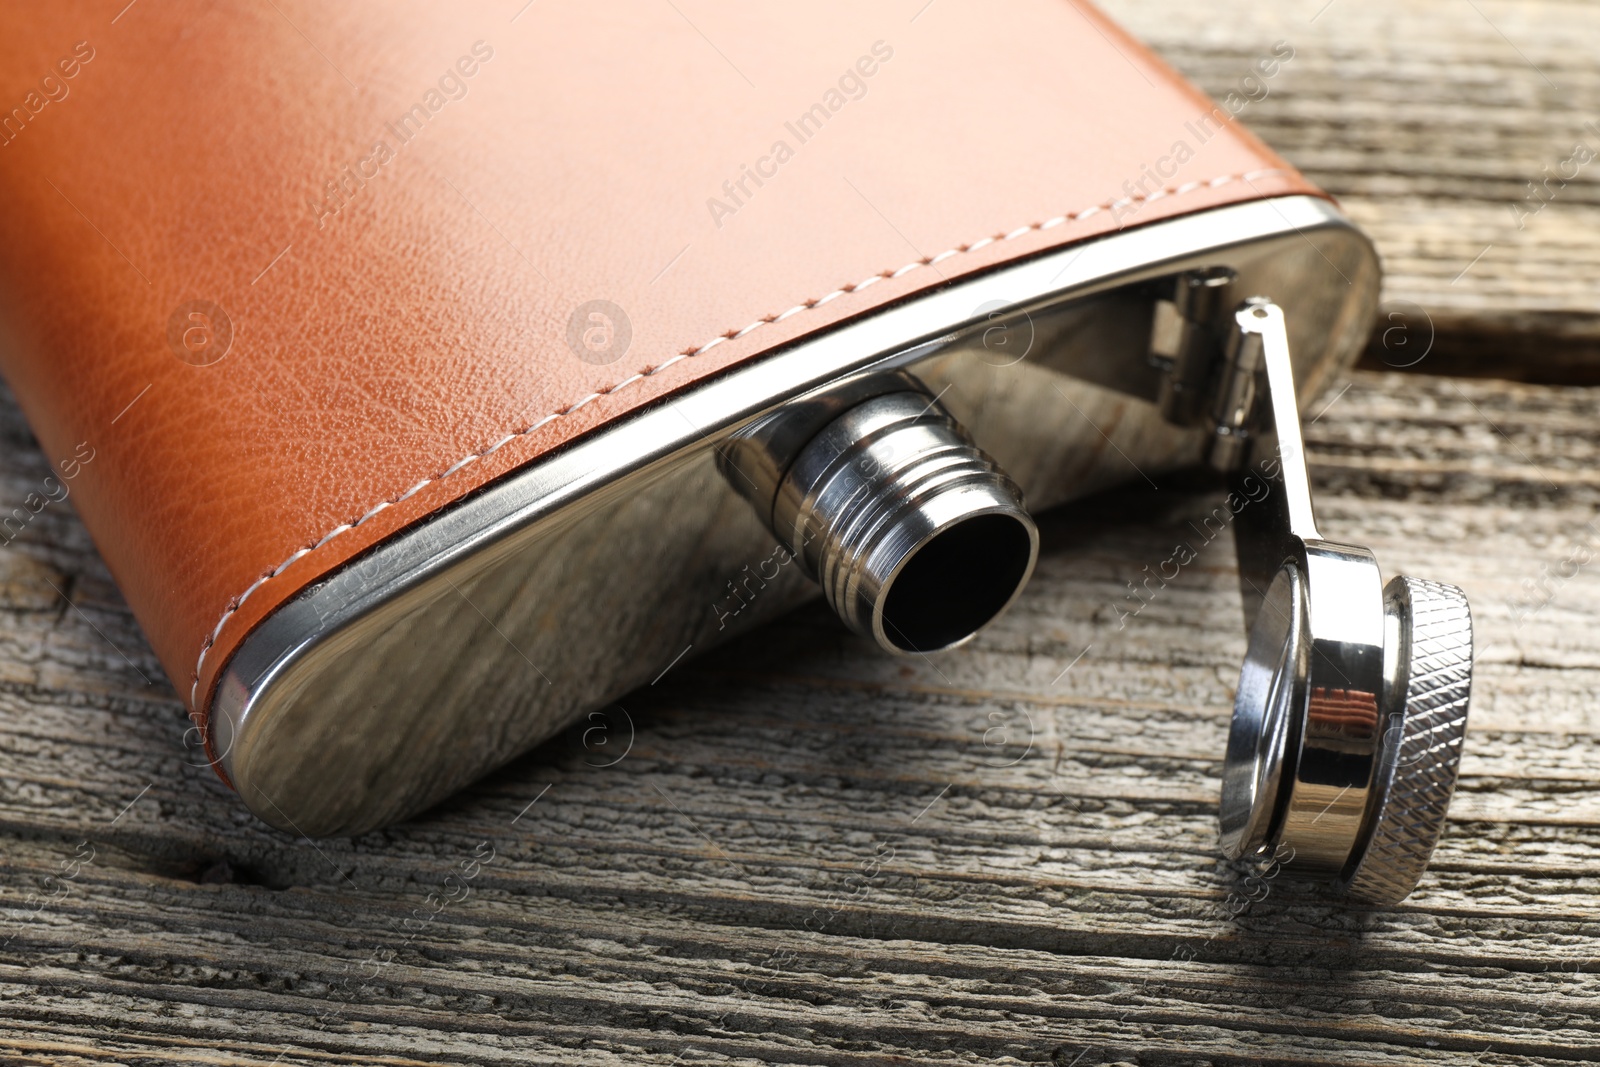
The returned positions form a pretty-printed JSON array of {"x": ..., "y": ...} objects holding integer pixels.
[{"x": 298, "y": 275}]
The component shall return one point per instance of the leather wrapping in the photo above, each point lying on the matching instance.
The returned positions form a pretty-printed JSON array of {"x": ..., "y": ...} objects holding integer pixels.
[{"x": 393, "y": 355}]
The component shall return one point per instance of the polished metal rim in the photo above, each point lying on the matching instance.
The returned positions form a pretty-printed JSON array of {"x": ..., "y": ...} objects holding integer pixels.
[
  {"x": 1263, "y": 733},
  {"x": 1306, "y": 735}
]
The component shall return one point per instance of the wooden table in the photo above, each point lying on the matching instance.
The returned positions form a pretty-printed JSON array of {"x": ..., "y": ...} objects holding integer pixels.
[{"x": 813, "y": 854}]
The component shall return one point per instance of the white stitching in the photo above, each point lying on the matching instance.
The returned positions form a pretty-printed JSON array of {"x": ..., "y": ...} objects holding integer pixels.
[{"x": 1021, "y": 231}]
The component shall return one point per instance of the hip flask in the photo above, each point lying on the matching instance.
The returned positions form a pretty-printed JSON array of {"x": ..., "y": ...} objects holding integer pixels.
[{"x": 445, "y": 378}]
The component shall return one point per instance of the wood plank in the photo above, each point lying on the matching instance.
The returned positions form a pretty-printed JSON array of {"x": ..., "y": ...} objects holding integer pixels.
[
  {"x": 1428, "y": 119},
  {"x": 816, "y": 854}
]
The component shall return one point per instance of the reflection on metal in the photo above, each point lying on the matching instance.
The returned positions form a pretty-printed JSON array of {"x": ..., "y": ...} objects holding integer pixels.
[
  {"x": 469, "y": 637},
  {"x": 1332, "y": 656},
  {"x": 916, "y": 537},
  {"x": 1188, "y": 351}
]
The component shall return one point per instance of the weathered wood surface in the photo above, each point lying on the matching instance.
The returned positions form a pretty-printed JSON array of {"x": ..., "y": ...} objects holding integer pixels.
[
  {"x": 813, "y": 854},
  {"x": 1429, "y": 119}
]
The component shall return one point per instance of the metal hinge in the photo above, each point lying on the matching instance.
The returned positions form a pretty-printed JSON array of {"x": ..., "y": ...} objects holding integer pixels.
[{"x": 1210, "y": 368}]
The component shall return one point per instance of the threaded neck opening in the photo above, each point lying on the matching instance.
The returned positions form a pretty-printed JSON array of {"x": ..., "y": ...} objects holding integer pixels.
[{"x": 917, "y": 538}]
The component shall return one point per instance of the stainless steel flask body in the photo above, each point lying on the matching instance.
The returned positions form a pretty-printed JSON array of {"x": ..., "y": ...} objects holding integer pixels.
[{"x": 384, "y": 688}]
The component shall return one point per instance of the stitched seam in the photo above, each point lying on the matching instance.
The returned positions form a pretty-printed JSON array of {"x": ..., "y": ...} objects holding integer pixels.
[{"x": 730, "y": 335}]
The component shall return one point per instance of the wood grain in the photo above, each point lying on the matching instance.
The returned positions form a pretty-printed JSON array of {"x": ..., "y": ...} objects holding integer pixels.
[
  {"x": 815, "y": 854},
  {"x": 1428, "y": 119},
  {"x": 809, "y": 853}
]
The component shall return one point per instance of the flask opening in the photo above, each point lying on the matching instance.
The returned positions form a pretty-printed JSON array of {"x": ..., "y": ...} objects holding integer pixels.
[
  {"x": 916, "y": 536},
  {"x": 958, "y": 581}
]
